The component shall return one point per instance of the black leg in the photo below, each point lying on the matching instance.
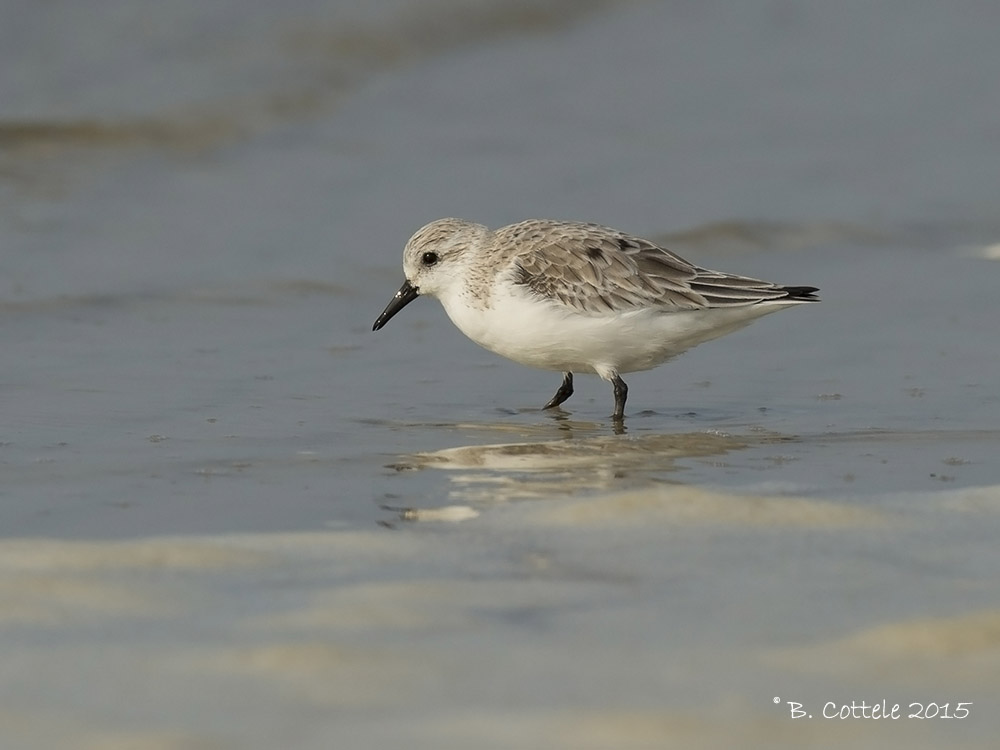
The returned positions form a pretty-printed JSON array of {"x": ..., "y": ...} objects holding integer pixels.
[
  {"x": 621, "y": 393},
  {"x": 564, "y": 392}
]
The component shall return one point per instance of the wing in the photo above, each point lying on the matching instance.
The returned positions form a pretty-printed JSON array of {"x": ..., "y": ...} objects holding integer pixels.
[{"x": 596, "y": 270}]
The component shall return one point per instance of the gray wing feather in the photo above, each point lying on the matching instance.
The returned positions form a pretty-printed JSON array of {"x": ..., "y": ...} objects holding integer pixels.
[{"x": 595, "y": 269}]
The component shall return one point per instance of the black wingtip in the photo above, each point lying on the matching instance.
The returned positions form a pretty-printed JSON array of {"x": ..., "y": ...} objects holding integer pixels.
[{"x": 802, "y": 293}]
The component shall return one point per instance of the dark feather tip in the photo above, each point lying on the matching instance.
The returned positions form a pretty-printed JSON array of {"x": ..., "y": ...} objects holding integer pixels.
[{"x": 804, "y": 293}]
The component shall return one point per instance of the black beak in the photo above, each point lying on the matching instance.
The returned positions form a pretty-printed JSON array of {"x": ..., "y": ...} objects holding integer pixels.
[{"x": 406, "y": 294}]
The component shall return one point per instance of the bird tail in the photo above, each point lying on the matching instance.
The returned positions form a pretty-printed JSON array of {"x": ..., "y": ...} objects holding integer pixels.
[{"x": 800, "y": 294}]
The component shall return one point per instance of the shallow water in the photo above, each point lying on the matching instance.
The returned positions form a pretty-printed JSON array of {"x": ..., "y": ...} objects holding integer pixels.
[{"x": 232, "y": 516}]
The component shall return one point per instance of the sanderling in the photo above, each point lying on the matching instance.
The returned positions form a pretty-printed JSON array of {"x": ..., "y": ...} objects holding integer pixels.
[{"x": 576, "y": 297}]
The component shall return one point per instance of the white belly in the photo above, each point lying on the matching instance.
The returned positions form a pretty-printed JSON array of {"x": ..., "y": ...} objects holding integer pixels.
[{"x": 552, "y": 337}]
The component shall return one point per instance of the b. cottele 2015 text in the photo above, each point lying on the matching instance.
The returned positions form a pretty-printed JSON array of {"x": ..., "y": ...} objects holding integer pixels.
[{"x": 884, "y": 710}]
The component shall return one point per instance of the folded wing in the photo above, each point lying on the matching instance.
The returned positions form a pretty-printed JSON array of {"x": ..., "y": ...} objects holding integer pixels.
[{"x": 596, "y": 270}]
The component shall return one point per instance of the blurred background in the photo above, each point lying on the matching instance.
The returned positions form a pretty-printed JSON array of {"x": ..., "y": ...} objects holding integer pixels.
[{"x": 203, "y": 446}]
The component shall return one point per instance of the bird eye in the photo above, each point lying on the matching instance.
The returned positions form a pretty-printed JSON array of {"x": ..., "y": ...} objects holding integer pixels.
[{"x": 429, "y": 259}]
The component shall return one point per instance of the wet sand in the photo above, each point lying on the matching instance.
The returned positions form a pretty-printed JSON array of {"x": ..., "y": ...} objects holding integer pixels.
[{"x": 234, "y": 517}]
